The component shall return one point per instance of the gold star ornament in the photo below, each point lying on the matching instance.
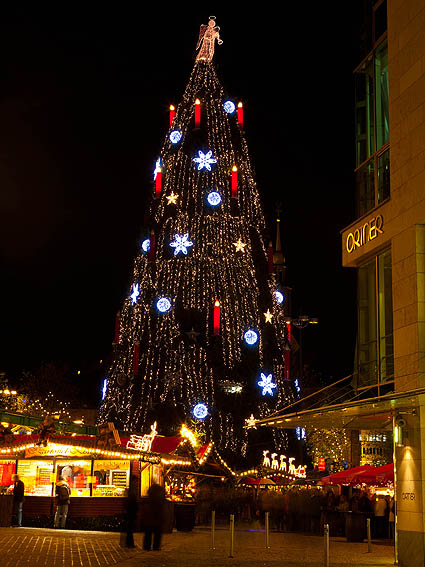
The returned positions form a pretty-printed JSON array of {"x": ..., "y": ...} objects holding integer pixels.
[
  {"x": 172, "y": 198},
  {"x": 240, "y": 246},
  {"x": 268, "y": 316}
]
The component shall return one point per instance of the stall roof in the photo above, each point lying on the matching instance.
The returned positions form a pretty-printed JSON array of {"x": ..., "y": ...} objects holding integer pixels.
[{"x": 370, "y": 413}]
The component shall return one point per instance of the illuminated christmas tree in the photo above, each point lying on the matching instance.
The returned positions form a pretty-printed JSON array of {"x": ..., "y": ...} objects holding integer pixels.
[{"x": 202, "y": 333}]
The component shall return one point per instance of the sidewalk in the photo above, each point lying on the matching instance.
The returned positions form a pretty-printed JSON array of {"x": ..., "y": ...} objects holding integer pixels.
[{"x": 21, "y": 547}]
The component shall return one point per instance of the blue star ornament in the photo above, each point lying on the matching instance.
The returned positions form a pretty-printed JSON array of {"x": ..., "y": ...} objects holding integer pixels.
[
  {"x": 181, "y": 243},
  {"x": 267, "y": 384},
  {"x": 204, "y": 160}
]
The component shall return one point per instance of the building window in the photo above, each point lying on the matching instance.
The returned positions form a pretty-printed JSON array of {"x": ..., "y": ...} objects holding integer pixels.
[
  {"x": 372, "y": 130},
  {"x": 375, "y": 352}
]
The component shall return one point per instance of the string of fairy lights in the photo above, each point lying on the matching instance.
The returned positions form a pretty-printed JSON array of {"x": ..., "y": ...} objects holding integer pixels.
[{"x": 204, "y": 244}]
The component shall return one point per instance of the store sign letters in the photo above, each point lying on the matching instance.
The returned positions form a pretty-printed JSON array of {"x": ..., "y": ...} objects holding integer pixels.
[
  {"x": 143, "y": 443},
  {"x": 281, "y": 465},
  {"x": 364, "y": 234}
]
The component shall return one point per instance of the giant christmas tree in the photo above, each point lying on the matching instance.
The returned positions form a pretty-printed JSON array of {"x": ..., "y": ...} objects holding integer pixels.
[{"x": 202, "y": 332}]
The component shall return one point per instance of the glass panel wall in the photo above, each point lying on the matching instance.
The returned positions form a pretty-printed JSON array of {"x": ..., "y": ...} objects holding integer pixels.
[
  {"x": 36, "y": 476},
  {"x": 375, "y": 357},
  {"x": 372, "y": 130},
  {"x": 111, "y": 478},
  {"x": 77, "y": 474}
]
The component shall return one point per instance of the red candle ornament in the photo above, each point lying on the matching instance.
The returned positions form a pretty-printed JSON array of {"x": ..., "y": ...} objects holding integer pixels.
[
  {"x": 287, "y": 360},
  {"x": 288, "y": 328},
  {"x": 270, "y": 257},
  {"x": 172, "y": 114},
  {"x": 151, "y": 254},
  {"x": 158, "y": 183},
  {"x": 117, "y": 329},
  {"x": 197, "y": 113},
  {"x": 216, "y": 317},
  {"x": 234, "y": 181},
  {"x": 240, "y": 115},
  {"x": 136, "y": 355}
]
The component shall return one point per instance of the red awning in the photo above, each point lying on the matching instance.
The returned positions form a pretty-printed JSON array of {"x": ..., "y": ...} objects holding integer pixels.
[
  {"x": 377, "y": 476},
  {"x": 345, "y": 477},
  {"x": 256, "y": 481}
]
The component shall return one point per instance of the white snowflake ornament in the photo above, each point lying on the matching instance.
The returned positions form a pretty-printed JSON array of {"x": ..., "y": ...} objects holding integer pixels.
[
  {"x": 267, "y": 384},
  {"x": 181, "y": 243},
  {"x": 204, "y": 160}
]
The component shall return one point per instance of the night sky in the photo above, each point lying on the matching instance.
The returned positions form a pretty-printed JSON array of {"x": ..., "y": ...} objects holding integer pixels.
[{"x": 84, "y": 103}]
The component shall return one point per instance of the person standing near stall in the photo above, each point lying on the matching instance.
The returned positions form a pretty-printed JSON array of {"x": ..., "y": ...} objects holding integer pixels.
[
  {"x": 154, "y": 517},
  {"x": 18, "y": 498},
  {"x": 62, "y": 502}
]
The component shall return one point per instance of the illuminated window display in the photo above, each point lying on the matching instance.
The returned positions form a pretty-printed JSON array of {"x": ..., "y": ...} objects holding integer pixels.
[
  {"x": 77, "y": 474},
  {"x": 110, "y": 478},
  {"x": 36, "y": 476},
  {"x": 7, "y": 469}
]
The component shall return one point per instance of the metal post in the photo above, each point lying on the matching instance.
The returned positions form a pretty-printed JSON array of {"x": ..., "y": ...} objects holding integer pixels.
[
  {"x": 369, "y": 539},
  {"x": 213, "y": 529},
  {"x": 232, "y": 533},
  {"x": 267, "y": 531},
  {"x": 326, "y": 544}
]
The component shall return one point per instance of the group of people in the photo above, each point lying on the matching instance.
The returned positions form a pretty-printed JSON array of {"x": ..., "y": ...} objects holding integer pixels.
[{"x": 63, "y": 494}]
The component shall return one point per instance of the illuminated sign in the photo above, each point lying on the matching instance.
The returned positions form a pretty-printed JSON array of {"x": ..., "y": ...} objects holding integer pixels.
[
  {"x": 54, "y": 450},
  {"x": 367, "y": 232},
  {"x": 142, "y": 443},
  {"x": 281, "y": 465}
]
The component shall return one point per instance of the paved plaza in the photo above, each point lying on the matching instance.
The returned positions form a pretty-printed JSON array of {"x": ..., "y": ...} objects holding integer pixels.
[{"x": 21, "y": 547}]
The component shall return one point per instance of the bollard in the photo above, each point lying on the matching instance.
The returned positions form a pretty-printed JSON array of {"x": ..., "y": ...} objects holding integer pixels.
[
  {"x": 369, "y": 539},
  {"x": 326, "y": 543},
  {"x": 213, "y": 529},
  {"x": 232, "y": 533},
  {"x": 267, "y": 531}
]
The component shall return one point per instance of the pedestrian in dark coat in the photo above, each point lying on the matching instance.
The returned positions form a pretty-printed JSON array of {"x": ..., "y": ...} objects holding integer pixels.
[
  {"x": 18, "y": 498},
  {"x": 154, "y": 517},
  {"x": 131, "y": 509}
]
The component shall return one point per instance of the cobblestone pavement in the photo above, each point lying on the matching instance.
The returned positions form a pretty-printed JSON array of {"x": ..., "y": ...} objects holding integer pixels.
[{"x": 21, "y": 547}]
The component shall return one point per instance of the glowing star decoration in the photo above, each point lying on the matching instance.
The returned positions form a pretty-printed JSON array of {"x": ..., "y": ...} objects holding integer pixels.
[
  {"x": 163, "y": 304},
  {"x": 172, "y": 198},
  {"x": 278, "y": 295},
  {"x": 268, "y": 316},
  {"x": 240, "y": 246},
  {"x": 214, "y": 198},
  {"x": 135, "y": 293},
  {"x": 175, "y": 136},
  {"x": 157, "y": 168},
  {"x": 204, "y": 160},
  {"x": 181, "y": 243},
  {"x": 200, "y": 411},
  {"x": 229, "y": 107},
  {"x": 146, "y": 244},
  {"x": 267, "y": 384},
  {"x": 251, "y": 421},
  {"x": 142, "y": 443},
  {"x": 250, "y": 337}
]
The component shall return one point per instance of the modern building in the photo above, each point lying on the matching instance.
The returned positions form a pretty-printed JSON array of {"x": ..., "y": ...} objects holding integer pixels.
[
  {"x": 386, "y": 245},
  {"x": 386, "y": 242}
]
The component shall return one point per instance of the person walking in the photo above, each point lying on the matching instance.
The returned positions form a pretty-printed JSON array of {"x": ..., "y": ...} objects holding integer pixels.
[
  {"x": 18, "y": 498},
  {"x": 154, "y": 517},
  {"x": 62, "y": 502},
  {"x": 380, "y": 509},
  {"x": 131, "y": 509}
]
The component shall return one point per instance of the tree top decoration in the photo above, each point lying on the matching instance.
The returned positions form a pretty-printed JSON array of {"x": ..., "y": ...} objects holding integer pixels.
[{"x": 207, "y": 36}]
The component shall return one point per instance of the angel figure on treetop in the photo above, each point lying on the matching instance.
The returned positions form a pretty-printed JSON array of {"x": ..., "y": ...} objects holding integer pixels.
[{"x": 207, "y": 36}]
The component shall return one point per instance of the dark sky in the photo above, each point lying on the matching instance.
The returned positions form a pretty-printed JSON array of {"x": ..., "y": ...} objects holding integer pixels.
[{"x": 84, "y": 103}]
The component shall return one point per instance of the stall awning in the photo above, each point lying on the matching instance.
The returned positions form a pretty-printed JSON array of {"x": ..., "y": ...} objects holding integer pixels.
[{"x": 372, "y": 476}]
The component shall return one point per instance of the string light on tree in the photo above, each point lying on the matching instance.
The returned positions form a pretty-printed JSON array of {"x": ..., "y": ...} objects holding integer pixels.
[
  {"x": 181, "y": 243},
  {"x": 267, "y": 384},
  {"x": 204, "y": 160}
]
